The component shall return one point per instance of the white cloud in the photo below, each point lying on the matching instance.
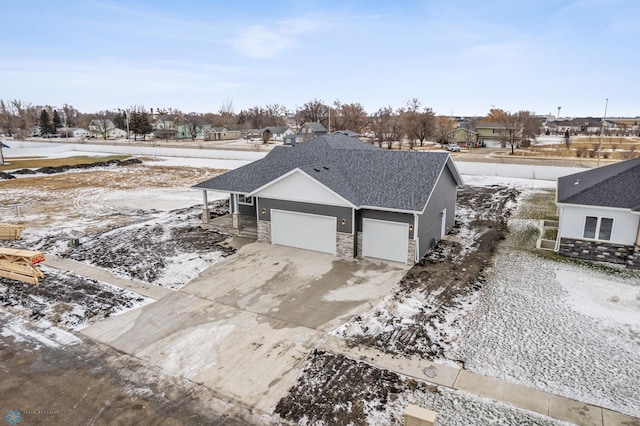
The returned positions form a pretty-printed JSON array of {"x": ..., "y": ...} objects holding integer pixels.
[{"x": 259, "y": 41}]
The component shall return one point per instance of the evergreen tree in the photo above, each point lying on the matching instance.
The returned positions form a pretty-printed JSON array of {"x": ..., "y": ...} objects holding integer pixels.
[
  {"x": 139, "y": 124},
  {"x": 57, "y": 121},
  {"x": 46, "y": 126},
  {"x": 120, "y": 120}
]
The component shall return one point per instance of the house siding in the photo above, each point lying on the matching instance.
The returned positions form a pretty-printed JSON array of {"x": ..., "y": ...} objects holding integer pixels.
[
  {"x": 443, "y": 197},
  {"x": 340, "y": 213},
  {"x": 247, "y": 210},
  {"x": 625, "y": 223}
]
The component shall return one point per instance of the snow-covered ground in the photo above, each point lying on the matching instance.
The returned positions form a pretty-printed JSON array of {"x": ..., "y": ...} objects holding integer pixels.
[
  {"x": 562, "y": 327},
  {"x": 555, "y": 326},
  {"x": 558, "y": 328}
]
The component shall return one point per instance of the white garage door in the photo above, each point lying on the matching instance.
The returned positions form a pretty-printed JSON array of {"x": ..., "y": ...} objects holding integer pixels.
[
  {"x": 385, "y": 240},
  {"x": 305, "y": 231}
]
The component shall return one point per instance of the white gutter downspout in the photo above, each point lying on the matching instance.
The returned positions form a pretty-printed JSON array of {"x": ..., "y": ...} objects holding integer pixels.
[
  {"x": 561, "y": 213},
  {"x": 416, "y": 253}
]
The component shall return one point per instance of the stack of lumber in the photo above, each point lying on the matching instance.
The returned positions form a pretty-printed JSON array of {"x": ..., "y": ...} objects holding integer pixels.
[
  {"x": 9, "y": 231},
  {"x": 20, "y": 265}
]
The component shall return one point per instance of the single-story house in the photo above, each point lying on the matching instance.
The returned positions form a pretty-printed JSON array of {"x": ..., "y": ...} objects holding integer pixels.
[
  {"x": 349, "y": 133},
  {"x": 221, "y": 134},
  {"x": 73, "y": 132},
  {"x": 279, "y": 132},
  {"x": 599, "y": 213},
  {"x": 338, "y": 195}
]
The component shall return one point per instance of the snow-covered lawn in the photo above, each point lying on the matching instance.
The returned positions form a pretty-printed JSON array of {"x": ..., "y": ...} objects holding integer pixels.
[{"x": 559, "y": 328}]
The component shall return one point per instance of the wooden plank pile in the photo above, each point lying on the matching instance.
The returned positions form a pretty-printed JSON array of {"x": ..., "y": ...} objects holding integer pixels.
[
  {"x": 10, "y": 231},
  {"x": 20, "y": 265}
]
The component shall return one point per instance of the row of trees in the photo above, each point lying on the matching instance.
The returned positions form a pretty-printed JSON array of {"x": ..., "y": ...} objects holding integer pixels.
[{"x": 413, "y": 122}]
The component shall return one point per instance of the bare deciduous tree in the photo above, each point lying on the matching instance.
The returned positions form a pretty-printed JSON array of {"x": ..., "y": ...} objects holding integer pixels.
[
  {"x": 443, "y": 127},
  {"x": 349, "y": 117},
  {"x": 315, "y": 111},
  {"x": 517, "y": 127},
  {"x": 226, "y": 112}
]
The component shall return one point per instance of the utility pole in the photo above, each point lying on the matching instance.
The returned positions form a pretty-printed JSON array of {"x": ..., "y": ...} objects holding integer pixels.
[
  {"x": 558, "y": 116},
  {"x": 606, "y": 104}
]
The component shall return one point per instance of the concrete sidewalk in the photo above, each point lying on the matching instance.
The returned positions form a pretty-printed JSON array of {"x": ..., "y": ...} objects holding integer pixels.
[
  {"x": 99, "y": 274},
  {"x": 554, "y": 406}
]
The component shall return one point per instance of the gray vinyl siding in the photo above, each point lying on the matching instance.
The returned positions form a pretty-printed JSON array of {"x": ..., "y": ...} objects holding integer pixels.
[
  {"x": 340, "y": 213},
  {"x": 384, "y": 215},
  {"x": 247, "y": 210},
  {"x": 443, "y": 196}
]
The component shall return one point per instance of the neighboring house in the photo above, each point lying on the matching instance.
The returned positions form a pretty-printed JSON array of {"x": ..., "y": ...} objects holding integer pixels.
[
  {"x": 490, "y": 131},
  {"x": 73, "y": 132},
  {"x": 180, "y": 127},
  {"x": 278, "y": 133},
  {"x": 349, "y": 133},
  {"x": 191, "y": 127},
  {"x": 221, "y": 134},
  {"x": 463, "y": 136},
  {"x": 593, "y": 127},
  {"x": 310, "y": 130},
  {"x": 164, "y": 127},
  {"x": 600, "y": 214},
  {"x": 574, "y": 126},
  {"x": 338, "y": 195},
  {"x": 101, "y": 127},
  {"x": 34, "y": 131}
]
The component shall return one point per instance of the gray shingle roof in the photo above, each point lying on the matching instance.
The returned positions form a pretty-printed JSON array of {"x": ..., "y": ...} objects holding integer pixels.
[
  {"x": 276, "y": 130},
  {"x": 616, "y": 185},
  {"x": 363, "y": 174},
  {"x": 315, "y": 126}
]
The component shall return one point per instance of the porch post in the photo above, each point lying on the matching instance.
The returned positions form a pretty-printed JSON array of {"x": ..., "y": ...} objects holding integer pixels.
[
  {"x": 235, "y": 216},
  {"x": 205, "y": 207}
]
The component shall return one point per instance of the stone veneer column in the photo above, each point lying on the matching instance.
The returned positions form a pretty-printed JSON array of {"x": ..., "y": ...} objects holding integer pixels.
[
  {"x": 344, "y": 245},
  {"x": 235, "y": 220},
  {"x": 264, "y": 231},
  {"x": 359, "y": 244},
  {"x": 411, "y": 253}
]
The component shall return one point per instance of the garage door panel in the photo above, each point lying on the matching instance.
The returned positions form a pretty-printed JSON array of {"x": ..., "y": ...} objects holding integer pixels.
[
  {"x": 385, "y": 240},
  {"x": 305, "y": 231}
]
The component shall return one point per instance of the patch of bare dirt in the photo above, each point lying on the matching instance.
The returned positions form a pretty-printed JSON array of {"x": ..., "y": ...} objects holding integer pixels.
[
  {"x": 443, "y": 285},
  {"x": 65, "y": 299},
  {"x": 333, "y": 390}
]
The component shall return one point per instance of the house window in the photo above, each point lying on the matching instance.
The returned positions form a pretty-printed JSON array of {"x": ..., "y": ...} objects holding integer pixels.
[
  {"x": 243, "y": 199},
  {"x": 600, "y": 226},
  {"x": 606, "y": 223}
]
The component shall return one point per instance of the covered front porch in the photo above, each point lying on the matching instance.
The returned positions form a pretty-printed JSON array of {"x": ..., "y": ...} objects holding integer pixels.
[
  {"x": 241, "y": 226},
  {"x": 241, "y": 221}
]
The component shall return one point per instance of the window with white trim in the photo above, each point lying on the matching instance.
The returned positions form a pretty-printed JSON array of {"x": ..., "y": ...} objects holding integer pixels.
[
  {"x": 598, "y": 226},
  {"x": 244, "y": 199}
]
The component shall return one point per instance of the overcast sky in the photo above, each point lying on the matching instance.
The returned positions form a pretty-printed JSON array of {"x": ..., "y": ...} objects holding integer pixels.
[{"x": 459, "y": 57}]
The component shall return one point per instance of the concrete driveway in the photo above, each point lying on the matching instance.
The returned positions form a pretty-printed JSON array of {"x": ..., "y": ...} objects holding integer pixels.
[{"x": 244, "y": 327}]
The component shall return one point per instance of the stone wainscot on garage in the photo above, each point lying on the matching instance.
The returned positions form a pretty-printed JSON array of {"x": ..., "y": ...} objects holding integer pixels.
[{"x": 338, "y": 195}]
